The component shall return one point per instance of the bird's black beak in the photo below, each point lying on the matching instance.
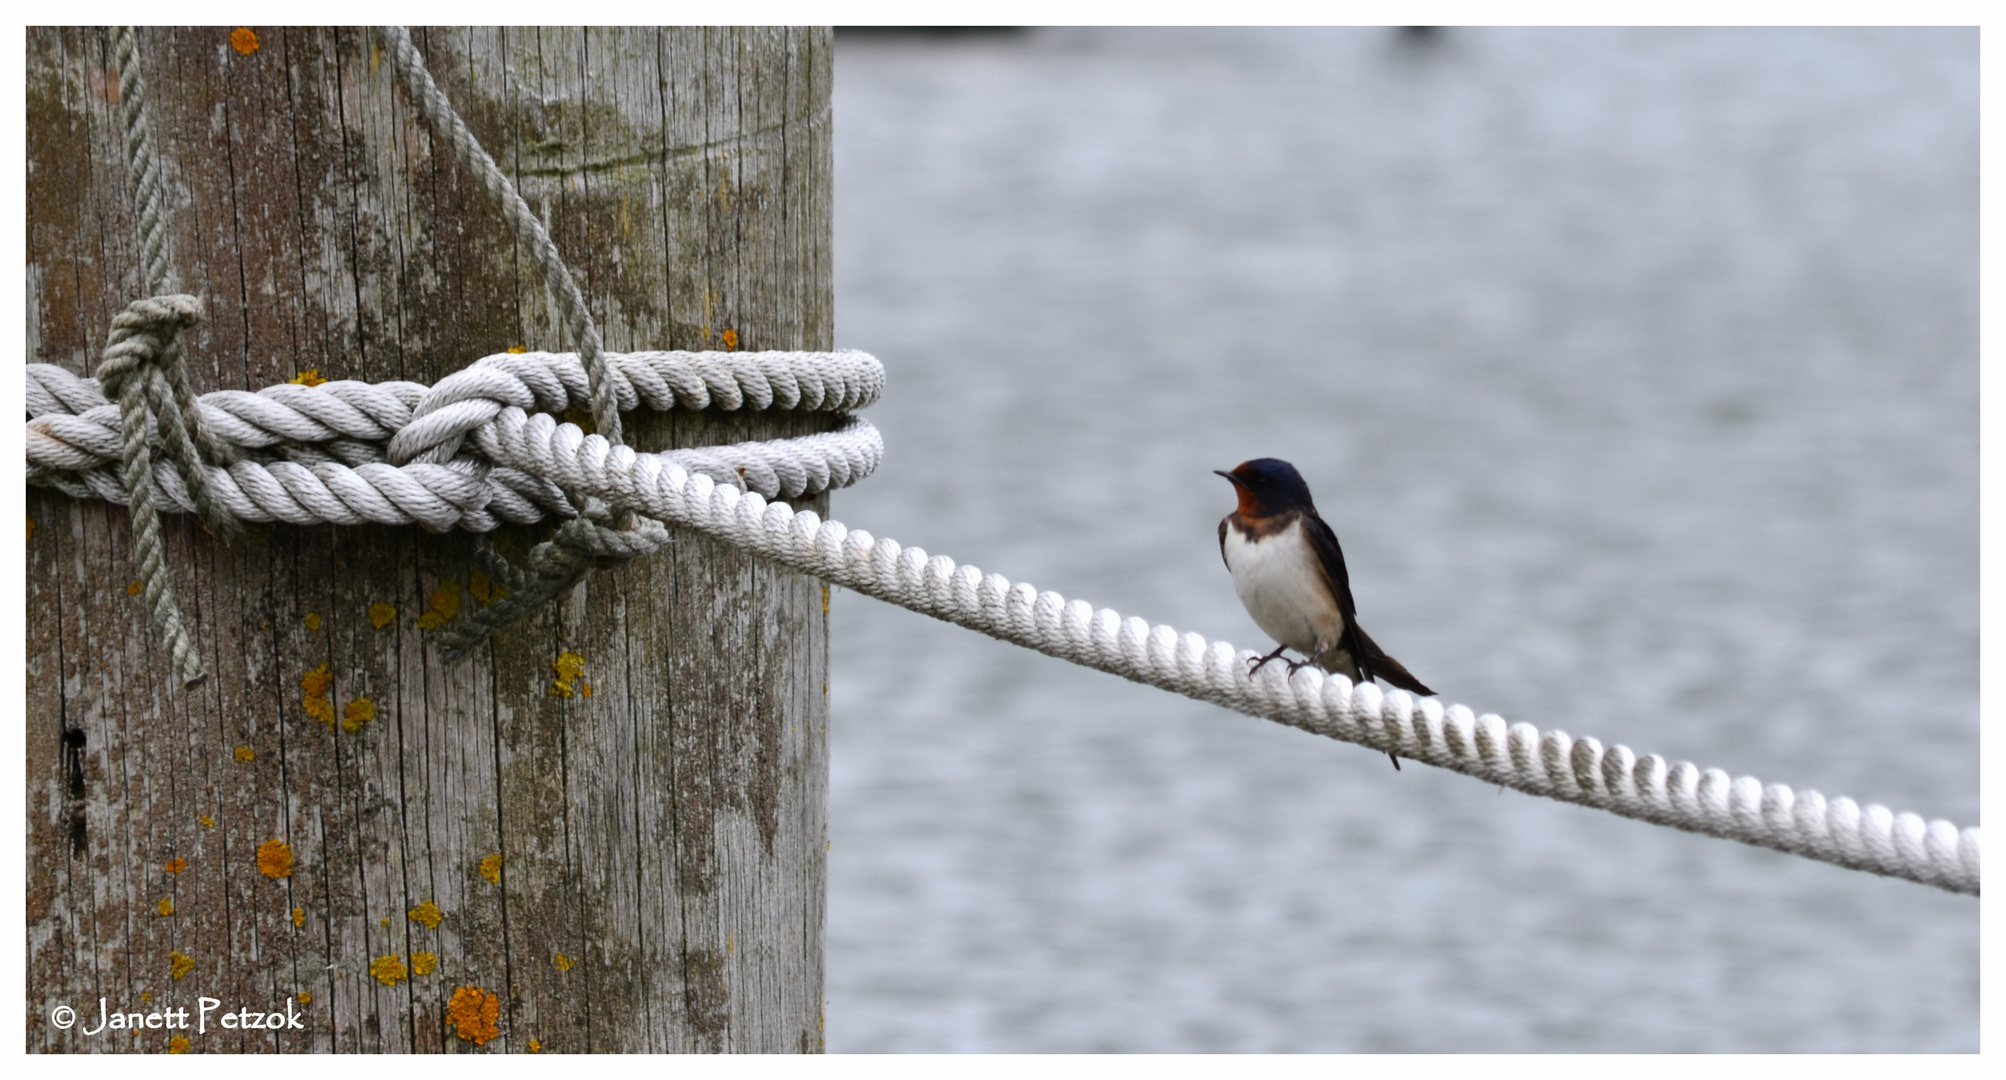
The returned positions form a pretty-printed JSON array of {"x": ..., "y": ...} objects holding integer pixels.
[{"x": 1229, "y": 476}]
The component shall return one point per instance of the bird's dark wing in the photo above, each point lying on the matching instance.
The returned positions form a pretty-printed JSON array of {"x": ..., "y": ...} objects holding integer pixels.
[
  {"x": 1222, "y": 541},
  {"x": 1371, "y": 659},
  {"x": 1331, "y": 558}
]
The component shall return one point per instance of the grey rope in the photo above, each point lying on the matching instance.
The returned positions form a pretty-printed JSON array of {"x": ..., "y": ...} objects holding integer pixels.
[
  {"x": 145, "y": 342},
  {"x": 557, "y": 564},
  {"x": 445, "y": 122},
  {"x": 147, "y": 177},
  {"x": 142, "y": 371},
  {"x": 553, "y": 568}
]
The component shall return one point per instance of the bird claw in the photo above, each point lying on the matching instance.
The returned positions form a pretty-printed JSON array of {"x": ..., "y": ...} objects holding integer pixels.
[{"x": 1258, "y": 662}]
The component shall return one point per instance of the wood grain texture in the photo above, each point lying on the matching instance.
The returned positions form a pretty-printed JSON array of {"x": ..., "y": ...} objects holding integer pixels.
[{"x": 659, "y": 842}]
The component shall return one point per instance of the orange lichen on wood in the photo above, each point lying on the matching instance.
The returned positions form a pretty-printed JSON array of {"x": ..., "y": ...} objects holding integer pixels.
[
  {"x": 314, "y": 685},
  {"x": 359, "y": 712},
  {"x": 135, "y": 588},
  {"x": 178, "y": 1044},
  {"x": 428, "y": 914},
  {"x": 275, "y": 859},
  {"x": 491, "y": 869},
  {"x": 305, "y": 997},
  {"x": 299, "y": 916},
  {"x": 313, "y": 620},
  {"x": 561, "y": 962},
  {"x": 389, "y": 970},
  {"x": 473, "y": 1012},
  {"x": 730, "y": 339},
  {"x": 245, "y": 41},
  {"x": 309, "y": 377},
  {"x": 518, "y": 348},
  {"x": 166, "y": 906},
  {"x": 175, "y": 865},
  {"x": 536, "y": 1046},
  {"x": 179, "y": 964},
  {"x": 569, "y": 666},
  {"x": 424, "y": 963},
  {"x": 245, "y": 753},
  {"x": 445, "y": 603},
  {"x": 381, "y": 615},
  {"x": 207, "y": 821}
]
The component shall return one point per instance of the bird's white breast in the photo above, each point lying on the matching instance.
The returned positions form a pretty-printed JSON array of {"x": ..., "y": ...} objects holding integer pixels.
[{"x": 1281, "y": 583}]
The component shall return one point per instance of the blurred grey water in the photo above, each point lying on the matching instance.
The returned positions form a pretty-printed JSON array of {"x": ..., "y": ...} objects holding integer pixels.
[{"x": 1637, "y": 371}]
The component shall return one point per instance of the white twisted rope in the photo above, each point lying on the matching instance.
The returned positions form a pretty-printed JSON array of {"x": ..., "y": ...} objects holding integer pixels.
[
  {"x": 322, "y": 454},
  {"x": 1518, "y": 756}
]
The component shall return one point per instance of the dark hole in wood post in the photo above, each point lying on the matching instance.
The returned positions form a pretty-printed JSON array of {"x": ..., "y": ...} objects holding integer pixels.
[{"x": 73, "y": 765}]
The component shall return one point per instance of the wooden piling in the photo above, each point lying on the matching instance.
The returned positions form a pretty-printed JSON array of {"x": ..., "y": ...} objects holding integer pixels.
[{"x": 605, "y": 833}]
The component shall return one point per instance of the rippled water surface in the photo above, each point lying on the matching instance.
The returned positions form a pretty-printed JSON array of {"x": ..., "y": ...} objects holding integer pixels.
[{"x": 1637, "y": 371}]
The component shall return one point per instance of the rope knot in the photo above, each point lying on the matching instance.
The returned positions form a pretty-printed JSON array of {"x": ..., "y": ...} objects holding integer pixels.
[
  {"x": 606, "y": 542},
  {"x": 597, "y": 540},
  {"x": 147, "y": 334},
  {"x": 142, "y": 371}
]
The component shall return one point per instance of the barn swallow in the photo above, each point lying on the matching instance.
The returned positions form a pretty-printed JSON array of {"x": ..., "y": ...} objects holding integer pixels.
[{"x": 1289, "y": 572}]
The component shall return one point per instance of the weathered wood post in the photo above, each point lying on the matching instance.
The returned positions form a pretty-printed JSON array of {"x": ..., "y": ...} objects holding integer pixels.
[{"x": 624, "y": 859}]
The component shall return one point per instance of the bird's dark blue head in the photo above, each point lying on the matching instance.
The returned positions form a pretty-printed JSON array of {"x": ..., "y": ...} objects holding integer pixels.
[{"x": 1269, "y": 486}]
